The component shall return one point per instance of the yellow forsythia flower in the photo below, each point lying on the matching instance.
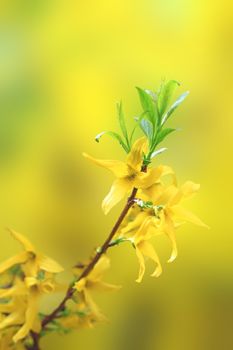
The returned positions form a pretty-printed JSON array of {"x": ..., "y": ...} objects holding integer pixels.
[
  {"x": 34, "y": 278},
  {"x": 94, "y": 282},
  {"x": 162, "y": 217},
  {"x": 128, "y": 174}
]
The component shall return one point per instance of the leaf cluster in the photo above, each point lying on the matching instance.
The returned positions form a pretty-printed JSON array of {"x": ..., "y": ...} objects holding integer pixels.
[{"x": 157, "y": 108}]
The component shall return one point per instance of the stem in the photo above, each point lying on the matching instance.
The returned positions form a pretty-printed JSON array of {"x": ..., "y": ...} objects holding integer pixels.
[
  {"x": 36, "y": 339},
  {"x": 88, "y": 268},
  {"x": 94, "y": 261}
]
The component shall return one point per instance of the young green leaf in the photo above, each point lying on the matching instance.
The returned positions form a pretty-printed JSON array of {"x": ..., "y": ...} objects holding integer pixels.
[
  {"x": 115, "y": 136},
  {"x": 165, "y": 95},
  {"x": 147, "y": 128},
  {"x": 162, "y": 134},
  {"x": 121, "y": 119},
  {"x": 173, "y": 107},
  {"x": 147, "y": 104},
  {"x": 161, "y": 150}
]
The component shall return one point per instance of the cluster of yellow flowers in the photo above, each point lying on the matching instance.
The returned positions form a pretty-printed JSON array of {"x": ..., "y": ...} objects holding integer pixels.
[
  {"x": 156, "y": 209},
  {"x": 153, "y": 207},
  {"x": 25, "y": 278}
]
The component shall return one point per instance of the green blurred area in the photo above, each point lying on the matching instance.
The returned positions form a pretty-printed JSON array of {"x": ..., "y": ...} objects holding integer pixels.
[{"x": 63, "y": 65}]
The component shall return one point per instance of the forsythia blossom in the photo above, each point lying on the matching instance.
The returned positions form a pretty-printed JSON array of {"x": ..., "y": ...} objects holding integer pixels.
[
  {"x": 29, "y": 276},
  {"x": 129, "y": 174},
  {"x": 163, "y": 215},
  {"x": 154, "y": 207},
  {"x": 93, "y": 282}
]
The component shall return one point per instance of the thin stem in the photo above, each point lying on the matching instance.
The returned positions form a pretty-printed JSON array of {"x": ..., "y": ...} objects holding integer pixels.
[
  {"x": 88, "y": 268},
  {"x": 35, "y": 345},
  {"x": 94, "y": 261}
]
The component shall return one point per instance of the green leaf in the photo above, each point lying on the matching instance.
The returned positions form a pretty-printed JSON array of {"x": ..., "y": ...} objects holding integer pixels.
[
  {"x": 121, "y": 119},
  {"x": 173, "y": 107},
  {"x": 115, "y": 136},
  {"x": 159, "y": 151},
  {"x": 147, "y": 104},
  {"x": 162, "y": 134},
  {"x": 165, "y": 95},
  {"x": 147, "y": 128},
  {"x": 132, "y": 133}
]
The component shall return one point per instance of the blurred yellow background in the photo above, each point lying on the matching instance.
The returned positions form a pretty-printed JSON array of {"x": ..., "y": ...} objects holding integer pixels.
[{"x": 63, "y": 65}]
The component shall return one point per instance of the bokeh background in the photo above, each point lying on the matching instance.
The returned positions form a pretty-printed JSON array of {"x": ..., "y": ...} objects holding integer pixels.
[{"x": 63, "y": 66}]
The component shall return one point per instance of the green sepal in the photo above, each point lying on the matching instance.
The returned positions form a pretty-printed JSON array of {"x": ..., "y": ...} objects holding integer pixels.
[
  {"x": 15, "y": 270},
  {"x": 41, "y": 275},
  {"x": 144, "y": 204}
]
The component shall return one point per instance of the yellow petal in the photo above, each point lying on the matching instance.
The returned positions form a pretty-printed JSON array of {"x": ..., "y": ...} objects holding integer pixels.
[
  {"x": 186, "y": 190},
  {"x": 47, "y": 264},
  {"x": 17, "y": 259},
  {"x": 30, "y": 317},
  {"x": 80, "y": 285},
  {"x": 47, "y": 286},
  {"x": 143, "y": 231},
  {"x": 130, "y": 227},
  {"x": 119, "y": 189},
  {"x": 30, "y": 281},
  {"x": 141, "y": 264},
  {"x": 169, "y": 230},
  {"x": 167, "y": 196},
  {"x": 17, "y": 289},
  {"x": 153, "y": 192},
  {"x": 12, "y": 319},
  {"x": 23, "y": 241},
  {"x": 189, "y": 188},
  {"x": 93, "y": 306},
  {"x": 148, "y": 250},
  {"x": 145, "y": 180},
  {"x": 167, "y": 170},
  {"x": 134, "y": 158},
  {"x": 105, "y": 287},
  {"x": 186, "y": 215},
  {"x": 118, "y": 168},
  {"x": 100, "y": 268}
]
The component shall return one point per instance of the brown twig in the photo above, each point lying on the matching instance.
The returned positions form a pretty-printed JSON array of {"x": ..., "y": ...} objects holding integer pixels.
[{"x": 88, "y": 268}]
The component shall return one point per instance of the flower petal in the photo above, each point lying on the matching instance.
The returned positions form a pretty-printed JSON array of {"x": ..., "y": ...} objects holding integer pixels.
[
  {"x": 105, "y": 287},
  {"x": 186, "y": 215},
  {"x": 15, "y": 260},
  {"x": 23, "y": 241},
  {"x": 47, "y": 264},
  {"x": 141, "y": 264},
  {"x": 189, "y": 188},
  {"x": 148, "y": 250},
  {"x": 30, "y": 317},
  {"x": 145, "y": 248},
  {"x": 132, "y": 223},
  {"x": 145, "y": 180},
  {"x": 100, "y": 268},
  {"x": 167, "y": 195},
  {"x": 134, "y": 158},
  {"x": 118, "y": 168},
  {"x": 93, "y": 306},
  {"x": 169, "y": 230},
  {"x": 119, "y": 189}
]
